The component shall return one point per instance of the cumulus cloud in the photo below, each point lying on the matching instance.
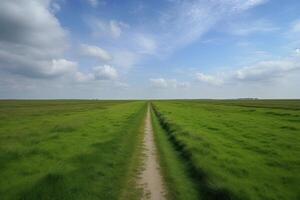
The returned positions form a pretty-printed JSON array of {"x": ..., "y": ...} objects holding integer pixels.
[
  {"x": 84, "y": 77},
  {"x": 29, "y": 23},
  {"x": 259, "y": 72},
  {"x": 60, "y": 67},
  {"x": 105, "y": 72},
  {"x": 267, "y": 70},
  {"x": 32, "y": 44},
  {"x": 98, "y": 73},
  {"x": 167, "y": 83},
  {"x": 159, "y": 82},
  {"x": 42, "y": 68},
  {"x": 209, "y": 79},
  {"x": 32, "y": 40},
  {"x": 96, "y": 52}
]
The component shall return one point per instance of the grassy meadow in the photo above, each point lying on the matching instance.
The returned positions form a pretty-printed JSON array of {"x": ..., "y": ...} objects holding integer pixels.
[
  {"x": 68, "y": 149},
  {"x": 247, "y": 149},
  {"x": 207, "y": 149}
]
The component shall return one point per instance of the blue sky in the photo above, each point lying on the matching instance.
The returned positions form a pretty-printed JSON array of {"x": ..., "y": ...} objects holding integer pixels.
[{"x": 111, "y": 49}]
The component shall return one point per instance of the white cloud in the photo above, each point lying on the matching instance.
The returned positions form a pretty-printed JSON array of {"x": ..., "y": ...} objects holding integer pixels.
[
  {"x": 31, "y": 24},
  {"x": 98, "y": 73},
  {"x": 84, "y": 77},
  {"x": 105, "y": 72},
  {"x": 259, "y": 72},
  {"x": 60, "y": 66},
  {"x": 32, "y": 41},
  {"x": 159, "y": 82},
  {"x": 267, "y": 70},
  {"x": 209, "y": 79},
  {"x": 41, "y": 68},
  {"x": 32, "y": 44},
  {"x": 167, "y": 83},
  {"x": 96, "y": 52}
]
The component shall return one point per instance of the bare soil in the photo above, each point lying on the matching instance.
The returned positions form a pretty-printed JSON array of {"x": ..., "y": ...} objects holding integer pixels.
[{"x": 151, "y": 178}]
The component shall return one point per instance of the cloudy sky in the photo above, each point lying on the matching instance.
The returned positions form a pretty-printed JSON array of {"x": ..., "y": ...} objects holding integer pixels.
[{"x": 110, "y": 49}]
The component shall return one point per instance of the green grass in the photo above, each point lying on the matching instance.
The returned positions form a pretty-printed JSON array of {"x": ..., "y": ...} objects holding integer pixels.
[
  {"x": 71, "y": 149},
  {"x": 292, "y": 104},
  {"x": 237, "y": 149},
  {"x": 68, "y": 149},
  {"x": 176, "y": 174}
]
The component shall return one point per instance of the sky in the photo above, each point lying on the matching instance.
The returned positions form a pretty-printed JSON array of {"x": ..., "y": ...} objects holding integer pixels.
[{"x": 141, "y": 49}]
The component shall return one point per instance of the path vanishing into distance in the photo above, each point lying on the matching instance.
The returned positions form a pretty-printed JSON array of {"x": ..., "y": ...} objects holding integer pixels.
[{"x": 151, "y": 178}]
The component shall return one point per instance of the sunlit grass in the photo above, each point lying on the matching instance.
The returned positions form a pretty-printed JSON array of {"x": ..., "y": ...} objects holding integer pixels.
[
  {"x": 238, "y": 149},
  {"x": 67, "y": 149}
]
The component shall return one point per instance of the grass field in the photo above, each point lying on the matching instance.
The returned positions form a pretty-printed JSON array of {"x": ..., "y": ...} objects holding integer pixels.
[
  {"x": 236, "y": 149},
  {"x": 68, "y": 149},
  {"x": 207, "y": 149}
]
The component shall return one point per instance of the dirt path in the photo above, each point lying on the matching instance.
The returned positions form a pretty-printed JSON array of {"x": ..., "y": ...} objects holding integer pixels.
[{"x": 151, "y": 178}]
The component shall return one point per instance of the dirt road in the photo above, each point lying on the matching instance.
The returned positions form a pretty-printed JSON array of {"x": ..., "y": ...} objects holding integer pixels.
[{"x": 151, "y": 178}]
